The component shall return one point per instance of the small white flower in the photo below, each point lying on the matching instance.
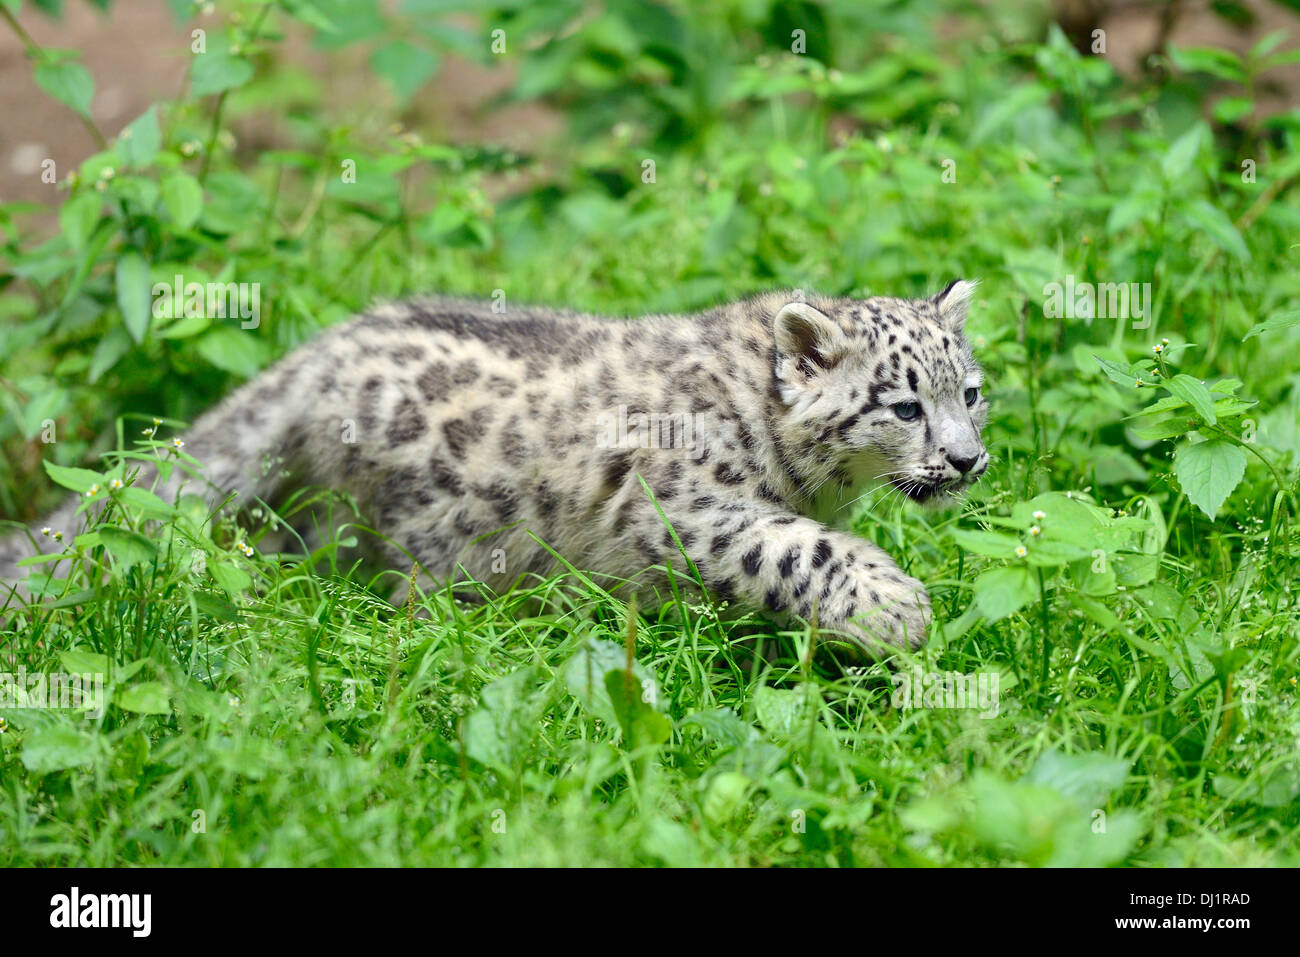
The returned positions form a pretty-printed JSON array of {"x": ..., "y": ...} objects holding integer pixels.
[
  {"x": 1021, "y": 551},
  {"x": 1039, "y": 515},
  {"x": 47, "y": 531},
  {"x": 177, "y": 444},
  {"x": 1035, "y": 530},
  {"x": 115, "y": 484},
  {"x": 92, "y": 491}
]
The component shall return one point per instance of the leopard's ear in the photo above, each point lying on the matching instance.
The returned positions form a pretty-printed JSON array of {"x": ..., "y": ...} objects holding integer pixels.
[
  {"x": 954, "y": 302},
  {"x": 808, "y": 339}
]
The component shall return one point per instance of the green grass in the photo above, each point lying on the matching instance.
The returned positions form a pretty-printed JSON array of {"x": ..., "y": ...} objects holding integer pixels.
[{"x": 269, "y": 711}]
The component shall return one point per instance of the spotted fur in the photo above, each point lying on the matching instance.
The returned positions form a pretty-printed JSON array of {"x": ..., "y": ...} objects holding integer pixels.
[{"x": 469, "y": 437}]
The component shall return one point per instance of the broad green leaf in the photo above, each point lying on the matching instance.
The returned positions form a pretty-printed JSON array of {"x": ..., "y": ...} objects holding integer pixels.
[
  {"x": 128, "y": 547},
  {"x": 1230, "y": 109},
  {"x": 780, "y": 710},
  {"x": 497, "y": 731},
  {"x": 147, "y": 697},
  {"x": 1286, "y": 57},
  {"x": 1285, "y": 320},
  {"x": 145, "y": 502},
  {"x": 78, "y": 217},
  {"x": 1000, "y": 592},
  {"x": 351, "y": 12},
  {"x": 722, "y": 725},
  {"x": 134, "y": 295},
  {"x": 1192, "y": 391},
  {"x": 1183, "y": 152},
  {"x": 1092, "y": 578},
  {"x": 983, "y": 542},
  {"x": 1133, "y": 569},
  {"x": 1152, "y": 429},
  {"x": 1050, "y": 552},
  {"x": 79, "y": 662},
  {"x": 1208, "y": 472},
  {"x": 1085, "y": 778},
  {"x": 642, "y": 725},
  {"x": 59, "y": 747},
  {"x": 726, "y": 795},
  {"x": 230, "y": 577},
  {"x": 1268, "y": 44},
  {"x": 404, "y": 65},
  {"x": 1217, "y": 62},
  {"x": 584, "y": 676},
  {"x": 1116, "y": 372},
  {"x": 183, "y": 197},
  {"x": 139, "y": 142},
  {"x": 236, "y": 350},
  {"x": 79, "y": 480},
  {"x": 141, "y": 191},
  {"x": 111, "y": 347},
  {"x": 1102, "y": 848},
  {"x": 217, "y": 72},
  {"x": 1278, "y": 789},
  {"x": 69, "y": 82}
]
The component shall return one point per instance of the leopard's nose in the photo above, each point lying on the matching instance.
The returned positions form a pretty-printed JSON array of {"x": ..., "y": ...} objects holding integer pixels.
[{"x": 963, "y": 465}]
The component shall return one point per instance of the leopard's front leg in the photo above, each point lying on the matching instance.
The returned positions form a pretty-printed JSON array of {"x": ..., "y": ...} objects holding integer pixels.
[{"x": 788, "y": 564}]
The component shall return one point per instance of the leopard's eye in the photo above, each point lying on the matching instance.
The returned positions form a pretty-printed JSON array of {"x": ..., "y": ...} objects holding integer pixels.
[
  {"x": 972, "y": 395},
  {"x": 907, "y": 411}
]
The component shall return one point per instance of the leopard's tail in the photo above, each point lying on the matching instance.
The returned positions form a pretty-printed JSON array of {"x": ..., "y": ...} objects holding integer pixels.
[{"x": 240, "y": 444}]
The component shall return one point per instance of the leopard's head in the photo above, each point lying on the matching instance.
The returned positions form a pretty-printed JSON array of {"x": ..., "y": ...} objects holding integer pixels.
[{"x": 886, "y": 389}]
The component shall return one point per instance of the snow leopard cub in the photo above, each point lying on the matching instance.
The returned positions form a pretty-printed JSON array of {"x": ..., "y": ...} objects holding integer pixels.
[{"x": 470, "y": 435}]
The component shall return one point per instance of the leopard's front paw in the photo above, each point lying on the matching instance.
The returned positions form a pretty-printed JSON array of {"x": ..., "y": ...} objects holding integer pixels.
[{"x": 891, "y": 611}]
